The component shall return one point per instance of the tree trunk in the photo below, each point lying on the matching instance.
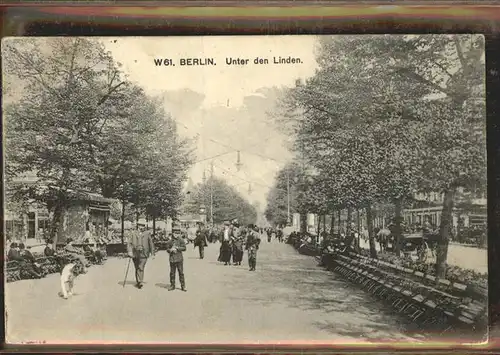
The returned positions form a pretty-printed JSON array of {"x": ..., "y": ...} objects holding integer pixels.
[
  {"x": 56, "y": 223},
  {"x": 349, "y": 221},
  {"x": 397, "y": 226},
  {"x": 358, "y": 229},
  {"x": 319, "y": 228},
  {"x": 122, "y": 234},
  {"x": 332, "y": 223},
  {"x": 137, "y": 220},
  {"x": 359, "y": 221},
  {"x": 444, "y": 233},
  {"x": 154, "y": 225},
  {"x": 339, "y": 224},
  {"x": 324, "y": 223},
  {"x": 371, "y": 236},
  {"x": 303, "y": 223}
]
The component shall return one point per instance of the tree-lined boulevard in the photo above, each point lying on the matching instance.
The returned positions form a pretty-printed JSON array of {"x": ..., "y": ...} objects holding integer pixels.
[
  {"x": 94, "y": 156},
  {"x": 288, "y": 299}
]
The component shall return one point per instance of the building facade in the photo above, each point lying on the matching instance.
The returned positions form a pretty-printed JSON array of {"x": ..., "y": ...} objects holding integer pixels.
[
  {"x": 29, "y": 221},
  {"x": 85, "y": 210}
]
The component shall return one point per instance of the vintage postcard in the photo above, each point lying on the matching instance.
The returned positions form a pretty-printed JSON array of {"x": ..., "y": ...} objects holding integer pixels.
[{"x": 279, "y": 189}]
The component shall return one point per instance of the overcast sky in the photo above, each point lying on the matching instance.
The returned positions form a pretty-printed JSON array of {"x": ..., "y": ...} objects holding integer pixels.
[{"x": 225, "y": 107}]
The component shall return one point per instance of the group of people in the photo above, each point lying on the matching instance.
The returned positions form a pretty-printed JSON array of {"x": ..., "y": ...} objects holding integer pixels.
[
  {"x": 276, "y": 233},
  {"x": 235, "y": 239},
  {"x": 140, "y": 247},
  {"x": 20, "y": 253},
  {"x": 32, "y": 269}
]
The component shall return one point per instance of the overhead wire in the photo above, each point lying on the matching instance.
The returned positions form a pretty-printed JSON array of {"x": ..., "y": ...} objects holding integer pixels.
[{"x": 246, "y": 180}]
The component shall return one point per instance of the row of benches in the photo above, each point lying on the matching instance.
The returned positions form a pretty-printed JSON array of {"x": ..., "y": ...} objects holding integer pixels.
[
  {"x": 48, "y": 264},
  {"x": 454, "y": 288},
  {"x": 426, "y": 306}
]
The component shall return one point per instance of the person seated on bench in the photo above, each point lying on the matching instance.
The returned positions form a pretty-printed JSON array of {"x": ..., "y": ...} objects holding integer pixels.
[
  {"x": 29, "y": 265},
  {"x": 325, "y": 248},
  {"x": 14, "y": 254},
  {"x": 49, "y": 252},
  {"x": 92, "y": 249}
]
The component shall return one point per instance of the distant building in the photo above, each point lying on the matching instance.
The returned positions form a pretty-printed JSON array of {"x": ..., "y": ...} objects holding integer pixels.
[{"x": 470, "y": 209}]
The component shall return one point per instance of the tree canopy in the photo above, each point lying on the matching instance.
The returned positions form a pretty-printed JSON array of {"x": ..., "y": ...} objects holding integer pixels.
[
  {"x": 79, "y": 124},
  {"x": 386, "y": 116}
]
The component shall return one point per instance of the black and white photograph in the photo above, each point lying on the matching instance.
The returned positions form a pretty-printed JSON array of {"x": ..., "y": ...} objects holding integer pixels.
[{"x": 299, "y": 189}]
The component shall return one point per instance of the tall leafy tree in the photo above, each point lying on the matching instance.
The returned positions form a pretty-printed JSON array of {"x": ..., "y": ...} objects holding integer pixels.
[
  {"x": 70, "y": 86},
  {"x": 283, "y": 192},
  {"x": 404, "y": 89}
]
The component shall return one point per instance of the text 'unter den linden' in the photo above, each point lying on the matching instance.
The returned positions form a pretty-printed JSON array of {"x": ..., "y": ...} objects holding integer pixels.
[{"x": 229, "y": 61}]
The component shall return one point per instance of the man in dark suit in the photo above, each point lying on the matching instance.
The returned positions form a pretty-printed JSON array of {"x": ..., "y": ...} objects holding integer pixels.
[
  {"x": 140, "y": 247},
  {"x": 252, "y": 245},
  {"x": 201, "y": 240},
  {"x": 175, "y": 247}
]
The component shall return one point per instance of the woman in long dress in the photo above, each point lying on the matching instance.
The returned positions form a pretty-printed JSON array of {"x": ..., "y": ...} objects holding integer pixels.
[{"x": 225, "y": 251}]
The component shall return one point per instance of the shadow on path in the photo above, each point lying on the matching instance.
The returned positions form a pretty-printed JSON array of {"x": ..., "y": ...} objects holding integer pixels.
[
  {"x": 295, "y": 281},
  {"x": 129, "y": 283}
]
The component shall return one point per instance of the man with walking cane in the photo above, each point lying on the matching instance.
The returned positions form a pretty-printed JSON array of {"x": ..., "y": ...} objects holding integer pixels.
[
  {"x": 140, "y": 247},
  {"x": 175, "y": 247}
]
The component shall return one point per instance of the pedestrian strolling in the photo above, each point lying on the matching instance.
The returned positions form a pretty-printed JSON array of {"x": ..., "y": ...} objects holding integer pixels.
[
  {"x": 175, "y": 247},
  {"x": 238, "y": 248},
  {"x": 252, "y": 245},
  {"x": 140, "y": 247},
  {"x": 225, "y": 250},
  {"x": 201, "y": 240}
]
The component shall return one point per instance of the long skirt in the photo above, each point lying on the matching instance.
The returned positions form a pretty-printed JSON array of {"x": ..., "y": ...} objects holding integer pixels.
[
  {"x": 237, "y": 253},
  {"x": 225, "y": 252}
]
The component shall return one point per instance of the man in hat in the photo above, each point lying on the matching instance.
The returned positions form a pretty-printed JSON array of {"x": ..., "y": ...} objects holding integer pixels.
[
  {"x": 201, "y": 240},
  {"x": 252, "y": 245},
  {"x": 140, "y": 247},
  {"x": 175, "y": 247}
]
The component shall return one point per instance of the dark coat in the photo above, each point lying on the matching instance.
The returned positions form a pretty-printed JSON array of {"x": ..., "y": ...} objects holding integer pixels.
[
  {"x": 253, "y": 241},
  {"x": 176, "y": 256},
  {"x": 201, "y": 238},
  {"x": 140, "y": 245},
  {"x": 14, "y": 255},
  {"x": 48, "y": 251},
  {"x": 27, "y": 256}
]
